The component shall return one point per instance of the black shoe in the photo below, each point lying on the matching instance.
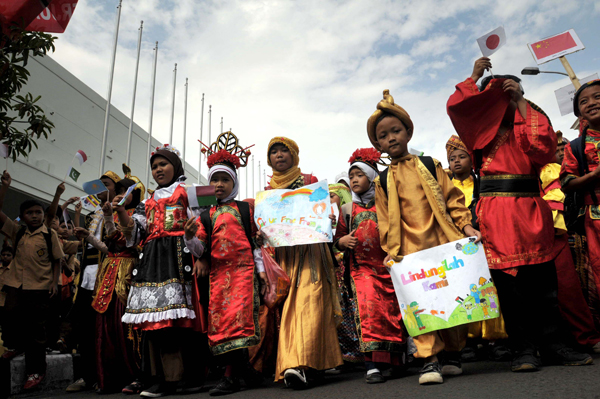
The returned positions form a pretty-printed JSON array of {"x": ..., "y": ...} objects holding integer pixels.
[
  {"x": 525, "y": 361},
  {"x": 468, "y": 354},
  {"x": 451, "y": 363},
  {"x": 188, "y": 387},
  {"x": 159, "y": 390},
  {"x": 226, "y": 386},
  {"x": 431, "y": 373},
  {"x": 374, "y": 378},
  {"x": 295, "y": 379},
  {"x": 499, "y": 353},
  {"x": 568, "y": 357}
]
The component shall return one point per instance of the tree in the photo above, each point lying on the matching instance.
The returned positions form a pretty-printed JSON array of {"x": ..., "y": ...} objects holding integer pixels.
[{"x": 22, "y": 121}]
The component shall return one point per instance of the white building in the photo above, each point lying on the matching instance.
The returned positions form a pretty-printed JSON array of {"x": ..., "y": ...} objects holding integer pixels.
[{"x": 78, "y": 115}]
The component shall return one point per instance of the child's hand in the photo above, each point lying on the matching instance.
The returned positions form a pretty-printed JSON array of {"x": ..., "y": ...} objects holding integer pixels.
[
  {"x": 200, "y": 268},
  {"x": 332, "y": 218},
  {"x": 115, "y": 203},
  {"x": 60, "y": 189},
  {"x": 53, "y": 290},
  {"x": 70, "y": 201},
  {"x": 107, "y": 209},
  {"x": 81, "y": 233},
  {"x": 78, "y": 207},
  {"x": 511, "y": 87},
  {"x": 481, "y": 65},
  {"x": 387, "y": 262},
  {"x": 6, "y": 179},
  {"x": 191, "y": 228},
  {"x": 348, "y": 242},
  {"x": 264, "y": 286},
  {"x": 470, "y": 231}
]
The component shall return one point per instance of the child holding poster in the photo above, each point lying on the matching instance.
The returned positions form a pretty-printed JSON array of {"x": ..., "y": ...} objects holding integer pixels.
[
  {"x": 418, "y": 208},
  {"x": 380, "y": 334}
]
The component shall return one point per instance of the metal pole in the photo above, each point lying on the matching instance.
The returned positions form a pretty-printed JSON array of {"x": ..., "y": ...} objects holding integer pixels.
[
  {"x": 570, "y": 72},
  {"x": 259, "y": 185},
  {"x": 151, "y": 114},
  {"x": 109, "y": 95},
  {"x": 253, "y": 192},
  {"x": 247, "y": 183},
  {"x": 185, "y": 120},
  {"x": 137, "y": 66},
  {"x": 200, "y": 154},
  {"x": 209, "y": 123},
  {"x": 265, "y": 177},
  {"x": 173, "y": 105},
  {"x": 221, "y": 124}
]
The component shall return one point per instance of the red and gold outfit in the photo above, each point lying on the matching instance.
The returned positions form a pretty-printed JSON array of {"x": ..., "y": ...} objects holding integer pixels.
[
  {"x": 234, "y": 296},
  {"x": 515, "y": 154},
  {"x": 378, "y": 317}
]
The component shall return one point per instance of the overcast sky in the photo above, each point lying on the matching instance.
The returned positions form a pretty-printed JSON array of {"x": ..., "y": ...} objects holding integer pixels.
[{"x": 315, "y": 70}]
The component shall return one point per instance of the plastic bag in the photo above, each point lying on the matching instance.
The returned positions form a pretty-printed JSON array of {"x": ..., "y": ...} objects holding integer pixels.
[{"x": 279, "y": 282}]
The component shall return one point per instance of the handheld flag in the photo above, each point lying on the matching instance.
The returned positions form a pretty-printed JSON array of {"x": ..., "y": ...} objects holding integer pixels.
[
  {"x": 4, "y": 151},
  {"x": 492, "y": 41},
  {"x": 66, "y": 217},
  {"x": 74, "y": 173},
  {"x": 129, "y": 191},
  {"x": 199, "y": 196},
  {"x": 81, "y": 157},
  {"x": 94, "y": 187},
  {"x": 556, "y": 46},
  {"x": 91, "y": 203}
]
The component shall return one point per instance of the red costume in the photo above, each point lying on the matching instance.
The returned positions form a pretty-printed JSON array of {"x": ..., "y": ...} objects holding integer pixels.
[{"x": 513, "y": 156}]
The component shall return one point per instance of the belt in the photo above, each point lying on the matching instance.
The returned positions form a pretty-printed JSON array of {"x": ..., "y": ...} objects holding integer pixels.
[{"x": 509, "y": 186}]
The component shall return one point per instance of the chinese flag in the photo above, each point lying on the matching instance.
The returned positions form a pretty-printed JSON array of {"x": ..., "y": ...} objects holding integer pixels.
[{"x": 552, "y": 45}]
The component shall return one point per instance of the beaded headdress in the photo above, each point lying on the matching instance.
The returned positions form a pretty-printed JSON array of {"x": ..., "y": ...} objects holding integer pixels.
[{"x": 226, "y": 150}]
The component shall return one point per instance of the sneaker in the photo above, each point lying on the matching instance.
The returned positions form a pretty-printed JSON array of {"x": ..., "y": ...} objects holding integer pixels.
[
  {"x": 11, "y": 353},
  {"x": 525, "y": 361},
  {"x": 499, "y": 353},
  {"x": 468, "y": 354},
  {"x": 596, "y": 348},
  {"x": 295, "y": 379},
  {"x": 159, "y": 390},
  {"x": 568, "y": 357},
  {"x": 226, "y": 386},
  {"x": 431, "y": 373},
  {"x": 133, "y": 388},
  {"x": 78, "y": 386},
  {"x": 188, "y": 387},
  {"x": 375, "y": 377},
  {"x": 451, "y": 364},
  {"x": 33, "y": 380}
]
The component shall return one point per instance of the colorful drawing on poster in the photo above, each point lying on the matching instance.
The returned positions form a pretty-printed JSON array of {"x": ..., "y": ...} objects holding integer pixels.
[
  {"x": 445, "y": 286},
  {"x": 294, "y": 217}
]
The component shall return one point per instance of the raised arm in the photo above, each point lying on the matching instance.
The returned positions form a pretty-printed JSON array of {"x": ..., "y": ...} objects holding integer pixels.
[
  {"x": 6, "y": 180},
  {"x": 51, "y": 213}
]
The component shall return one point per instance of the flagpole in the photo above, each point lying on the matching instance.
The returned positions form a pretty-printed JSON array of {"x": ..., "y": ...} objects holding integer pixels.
[
  {"x": 185, "y": 120},
  {"x": 570, "y": 72},
  {"x": 221, "y": 124},
  {"x": 108, "y": 97},
  {"x": 247, "y": 183},
  {"x": 265, "y": 177},
  {"x": 200, "y": 154},
  {"x": 151, "y": 114},
  {"x": 253, "y": 192},
  {"x": 209, "y": 123},
  {"x": 259, "y": 185},
  {"x": 137, "y": 66},
  {"x": 173, "y": 105}
]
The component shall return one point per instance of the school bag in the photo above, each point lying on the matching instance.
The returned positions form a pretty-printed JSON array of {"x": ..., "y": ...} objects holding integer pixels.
[{"x": 47, "y": 238}]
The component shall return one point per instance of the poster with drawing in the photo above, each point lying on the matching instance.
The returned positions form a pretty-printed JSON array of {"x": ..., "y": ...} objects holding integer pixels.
[
  {"x": 444, "y": 286},
  {"x": 294, "y": 217}
]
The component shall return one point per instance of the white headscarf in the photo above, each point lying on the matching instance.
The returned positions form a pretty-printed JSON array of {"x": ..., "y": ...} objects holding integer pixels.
[
  {"x": 236, "y": 185},
  {"x": 371, "y": 174},
  {"x": 343, "y": 177}
]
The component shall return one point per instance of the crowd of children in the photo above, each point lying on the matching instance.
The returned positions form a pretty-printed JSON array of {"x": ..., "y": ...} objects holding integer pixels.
[{"x": 165, "y": 292}]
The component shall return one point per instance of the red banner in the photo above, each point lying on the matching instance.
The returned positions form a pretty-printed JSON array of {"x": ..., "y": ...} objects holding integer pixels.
[
  {"x": 552, "y": 45},
  {"x": 38, "y": 15}
]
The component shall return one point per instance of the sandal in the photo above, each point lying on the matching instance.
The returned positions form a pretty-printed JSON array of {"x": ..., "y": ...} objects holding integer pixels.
[{"x": 134, "y": 388}]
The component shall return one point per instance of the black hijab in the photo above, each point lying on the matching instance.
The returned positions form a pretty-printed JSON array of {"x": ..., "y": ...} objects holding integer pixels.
[{"x": 173, "y": 160}]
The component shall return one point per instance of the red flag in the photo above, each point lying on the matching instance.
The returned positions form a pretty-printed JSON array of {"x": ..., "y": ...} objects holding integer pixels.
[
  {"x": 21, "y": 11},
  {"x": 55, "y": 17},
  {"x": 556, "y": 46}
]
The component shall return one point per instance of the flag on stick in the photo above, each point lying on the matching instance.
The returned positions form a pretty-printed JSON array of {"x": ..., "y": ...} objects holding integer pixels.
[
  {"x": 199, "y": 196},
  {"x": 90, "y": 202},
  {"x": 74, "y": 173},
  {"x": 94, "y": 187},
  {"x": 4, "y": 151},
  {"x": 556, "y": 46},
  {"x": 81, "y": 157},
  {"x": 129, "y": 191},
  {"x": 492, "y": 41}
]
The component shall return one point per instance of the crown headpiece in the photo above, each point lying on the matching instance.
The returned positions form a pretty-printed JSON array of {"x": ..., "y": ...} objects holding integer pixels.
[
  {"x": 367, "y": 155},
  {"x": 226, "y": 149},
  {"x": 138, "y": 182},
  {"x": 167, "y": 147}
]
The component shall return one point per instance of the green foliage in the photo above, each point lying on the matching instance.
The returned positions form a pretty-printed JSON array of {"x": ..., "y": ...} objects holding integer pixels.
[{"x": 22, "y": 121}]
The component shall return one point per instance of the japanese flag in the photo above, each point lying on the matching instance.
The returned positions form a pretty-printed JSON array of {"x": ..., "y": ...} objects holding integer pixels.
[
  {"x": 81, "y": 157},
  {"x": 492, "y": 41}
]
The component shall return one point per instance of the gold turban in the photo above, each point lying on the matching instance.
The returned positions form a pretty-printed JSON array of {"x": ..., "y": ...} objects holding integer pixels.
[
  {"x": 286, "y": 178},
  {"x": 112, "y": 176},
  {"x": 387, "y": 106},
  {"x": 455, "y": 143}
]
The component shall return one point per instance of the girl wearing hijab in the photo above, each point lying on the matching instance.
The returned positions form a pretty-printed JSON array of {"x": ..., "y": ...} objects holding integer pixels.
[
  {"x": 234, "y": 266},
  {"x": 160, "y": 300},
  {"x": 378, "y": 318},
  {"x": 308, "y": 341}
]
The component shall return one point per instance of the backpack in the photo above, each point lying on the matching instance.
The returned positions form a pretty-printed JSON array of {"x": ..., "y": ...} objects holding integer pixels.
[
  {"x": 427, "y": 161},
  {"x": 244, "y": 208},
  {"x": 574, "y": 200},
  {"x": 47, "y": 238}
]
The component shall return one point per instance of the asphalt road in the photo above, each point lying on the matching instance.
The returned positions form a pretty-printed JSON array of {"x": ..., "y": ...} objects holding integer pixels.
[{"x": 480, "y": 380}]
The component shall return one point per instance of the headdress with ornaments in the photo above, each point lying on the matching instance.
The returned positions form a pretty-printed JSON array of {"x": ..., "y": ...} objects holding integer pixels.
[
  {"x": 387, "y": 107},
  {"x": 561, "y": 140},
  {"x": 226, "y": 155},
  {"x": 172, "y": 155},
  {"x": 138, "y": 192},
  {"x": 366, "y": 159},
  {"x": 455, "y": 143}
]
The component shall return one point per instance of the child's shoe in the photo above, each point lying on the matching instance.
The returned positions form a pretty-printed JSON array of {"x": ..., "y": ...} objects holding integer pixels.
[
  {"x": 374, "y": 376},
  {"x": 295, "y": 379},
  {"x": 226, "y": 386},
  {"x": 33, "y": 380},
  {"x": 159, "y": 390},
  {"x": 566, "y": 356},
  {"x": 525, "y": 361},
  {"x": 451, "y": 364},
  {"x": 11, "y": 353},
  {"x": 431, "y": 373}
]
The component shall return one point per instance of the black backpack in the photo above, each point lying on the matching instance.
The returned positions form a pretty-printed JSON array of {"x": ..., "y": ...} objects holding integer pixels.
[
  {"x": 47, "y": 238},
  {"x": 244, "y": 208},
  {"x": 427, "y": 161}
]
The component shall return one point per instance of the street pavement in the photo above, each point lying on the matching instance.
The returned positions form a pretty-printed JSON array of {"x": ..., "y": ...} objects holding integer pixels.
[{"x": 480, "y": 380}]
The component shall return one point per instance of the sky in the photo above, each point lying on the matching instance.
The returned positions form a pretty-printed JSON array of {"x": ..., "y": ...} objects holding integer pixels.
[{"x": 314, "y": 71}]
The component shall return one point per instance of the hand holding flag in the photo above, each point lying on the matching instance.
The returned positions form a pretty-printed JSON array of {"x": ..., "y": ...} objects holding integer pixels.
[
  {"x": 94, "y": 187},
  {"x": 129, "y": 191},
  {"x": 199, "y": 196}
]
